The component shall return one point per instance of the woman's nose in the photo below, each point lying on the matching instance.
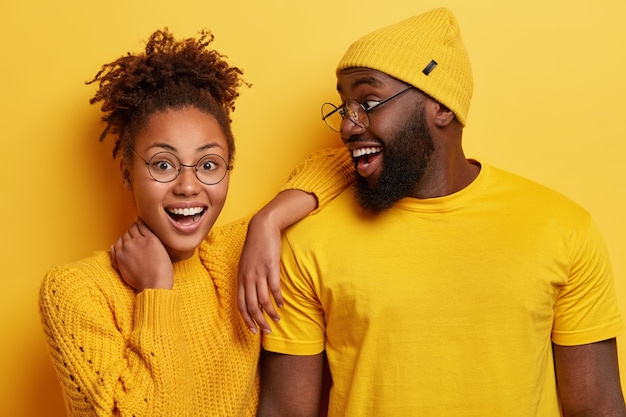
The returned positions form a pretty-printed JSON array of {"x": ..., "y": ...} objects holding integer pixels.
[{"x": 187, "y": 182}]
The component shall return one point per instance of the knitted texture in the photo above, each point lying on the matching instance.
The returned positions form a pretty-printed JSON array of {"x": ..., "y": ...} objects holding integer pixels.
[
  {"x": 336, "y": 162},
  {"x": 180, "y": 352},
  {"x": 425, "y": 51}
]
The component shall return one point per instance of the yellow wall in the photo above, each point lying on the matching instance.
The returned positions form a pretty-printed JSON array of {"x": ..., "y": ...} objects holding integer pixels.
[{"x": 549, "y": 104}]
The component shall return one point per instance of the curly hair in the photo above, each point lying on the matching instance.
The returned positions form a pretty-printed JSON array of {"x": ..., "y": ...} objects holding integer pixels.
[{"x": 170, "y": 74}]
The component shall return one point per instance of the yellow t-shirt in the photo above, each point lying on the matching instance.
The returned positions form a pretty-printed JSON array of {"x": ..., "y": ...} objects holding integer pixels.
[{"x": 446, "y": 306}]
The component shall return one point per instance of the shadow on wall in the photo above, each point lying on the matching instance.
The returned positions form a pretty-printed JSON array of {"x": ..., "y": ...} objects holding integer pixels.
[
  {"x": 41, "y": 380},
  {"x": 105, "y": 192},
  {"x": 105, "y": 203}
]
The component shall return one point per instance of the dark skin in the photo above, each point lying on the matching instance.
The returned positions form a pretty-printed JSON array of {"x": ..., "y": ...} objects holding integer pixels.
[
  {"x": 449, "y": 170},
  {"x": 588, "y": 380},
  {"x": 587, "y": 375},
  {"x": 292, "y": 385}
]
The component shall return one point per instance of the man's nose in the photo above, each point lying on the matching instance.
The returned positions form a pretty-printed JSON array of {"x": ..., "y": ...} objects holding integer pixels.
[{"x": 351, "y": 125}]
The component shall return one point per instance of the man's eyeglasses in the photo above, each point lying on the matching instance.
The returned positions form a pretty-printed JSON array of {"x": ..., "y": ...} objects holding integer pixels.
[
  {"x": 356, "y": 111},
  {"x": 166, "y": 167}
]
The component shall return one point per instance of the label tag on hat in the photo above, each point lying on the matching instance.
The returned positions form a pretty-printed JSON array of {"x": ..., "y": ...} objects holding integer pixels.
[{"x": 430, "y": 67}]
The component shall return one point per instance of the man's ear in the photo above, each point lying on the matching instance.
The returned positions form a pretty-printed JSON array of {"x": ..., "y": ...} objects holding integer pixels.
[
  {"x": 443, "y": 115},
  {"x": 125, "y": 172}
]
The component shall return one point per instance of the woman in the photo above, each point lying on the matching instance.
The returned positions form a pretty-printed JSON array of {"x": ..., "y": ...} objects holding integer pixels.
[{"x": 151, "y": 327}]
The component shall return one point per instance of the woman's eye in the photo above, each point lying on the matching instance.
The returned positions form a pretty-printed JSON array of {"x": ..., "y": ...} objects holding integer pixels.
[
  {"x": 208, "y": 166},
  {"x": 163, "y": 165}
]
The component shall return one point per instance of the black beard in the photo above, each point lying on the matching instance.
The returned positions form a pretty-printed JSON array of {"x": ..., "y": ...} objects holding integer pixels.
[{"x": 406, "y": 158}]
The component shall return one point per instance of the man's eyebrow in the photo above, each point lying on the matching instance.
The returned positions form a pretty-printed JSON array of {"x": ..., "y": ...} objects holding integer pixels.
[{"x": 372, "y": 81}]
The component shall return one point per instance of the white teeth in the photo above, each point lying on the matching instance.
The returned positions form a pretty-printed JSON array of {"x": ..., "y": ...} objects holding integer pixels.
[
  {"x": 186, "y": 211},
  {"x": 357, "y": 153}
]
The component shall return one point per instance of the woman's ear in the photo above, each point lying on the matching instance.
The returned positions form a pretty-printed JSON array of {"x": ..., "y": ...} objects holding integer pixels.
[{"x": 125, "y": 172}]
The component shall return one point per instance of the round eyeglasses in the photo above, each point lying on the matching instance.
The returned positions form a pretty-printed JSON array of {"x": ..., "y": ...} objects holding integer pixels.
[
  {"x": 166, "y": 167},
  {"x": 354, "y": 110}
]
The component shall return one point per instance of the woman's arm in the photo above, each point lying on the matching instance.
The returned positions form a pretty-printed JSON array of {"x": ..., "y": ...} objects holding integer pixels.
[
  {"x": 259, "y": 263},
  {"x": 316, "y": 181}
]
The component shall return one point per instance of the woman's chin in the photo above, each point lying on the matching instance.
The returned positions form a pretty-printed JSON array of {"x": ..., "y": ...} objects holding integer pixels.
[{"x": 182, "y": 253}]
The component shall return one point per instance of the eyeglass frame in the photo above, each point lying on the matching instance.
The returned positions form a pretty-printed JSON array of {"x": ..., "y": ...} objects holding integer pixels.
[
  {"x": 180, "y": 169},
  {"x": 367, "y": 110}
]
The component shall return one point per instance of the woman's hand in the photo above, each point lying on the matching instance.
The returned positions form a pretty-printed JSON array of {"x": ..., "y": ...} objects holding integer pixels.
[
  {"x": 259, "y": 265},
  {"x": 142, "y": 259},
  {"x": 258, "y": 270}
]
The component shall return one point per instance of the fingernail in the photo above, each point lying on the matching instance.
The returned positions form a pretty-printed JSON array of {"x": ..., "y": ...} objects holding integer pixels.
[
  {"x": 276, "y": 319},
  {"x": 253, "y": 330},
  {"x": 267, "y": 331}
]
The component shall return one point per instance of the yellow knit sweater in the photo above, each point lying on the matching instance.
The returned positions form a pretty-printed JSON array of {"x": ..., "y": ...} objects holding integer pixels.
[{"x": 179, "y": 352}]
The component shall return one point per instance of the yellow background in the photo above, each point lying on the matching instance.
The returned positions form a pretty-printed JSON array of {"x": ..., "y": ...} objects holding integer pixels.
[{"x": 548, "y": 104}]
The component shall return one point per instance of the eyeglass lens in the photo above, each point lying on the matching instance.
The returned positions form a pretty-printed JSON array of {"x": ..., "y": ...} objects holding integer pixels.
[
  {"x": 333, "y": 115},
  {"x": 354, "y": 110},
  {"x": 166, "y": 167}
]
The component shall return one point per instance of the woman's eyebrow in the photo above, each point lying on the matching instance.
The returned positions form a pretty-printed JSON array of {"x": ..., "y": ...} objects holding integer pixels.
[{"x": 168, "y": 147}]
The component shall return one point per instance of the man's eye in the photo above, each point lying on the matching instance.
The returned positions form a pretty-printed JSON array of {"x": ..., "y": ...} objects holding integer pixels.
[{"x": 370, "y": 104}]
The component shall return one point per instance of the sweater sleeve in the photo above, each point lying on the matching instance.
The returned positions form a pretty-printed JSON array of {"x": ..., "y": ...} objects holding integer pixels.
[
  {"x": 325, "y": 173},
  {"x": 116, "y": 353}
]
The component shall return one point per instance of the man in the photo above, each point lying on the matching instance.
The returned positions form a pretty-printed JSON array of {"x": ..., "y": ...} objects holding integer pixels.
[{"x": 438, "y": 286}]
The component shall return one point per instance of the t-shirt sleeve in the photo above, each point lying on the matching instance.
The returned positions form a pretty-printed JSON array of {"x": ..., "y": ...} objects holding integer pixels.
[
  {"x": 300, "y": 330},
  {"x": 586, "y": 310}
]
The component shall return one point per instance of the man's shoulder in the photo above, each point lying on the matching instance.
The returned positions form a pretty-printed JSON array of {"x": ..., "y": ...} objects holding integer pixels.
[
  {"x": 331, "y": 216},
  {"x": 527, "y": 192}
]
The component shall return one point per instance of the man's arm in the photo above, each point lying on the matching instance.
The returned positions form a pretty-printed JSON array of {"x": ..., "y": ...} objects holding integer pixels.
[
  {"x": 588, "y": 380},
  {"x": 290, "y": 385}
]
